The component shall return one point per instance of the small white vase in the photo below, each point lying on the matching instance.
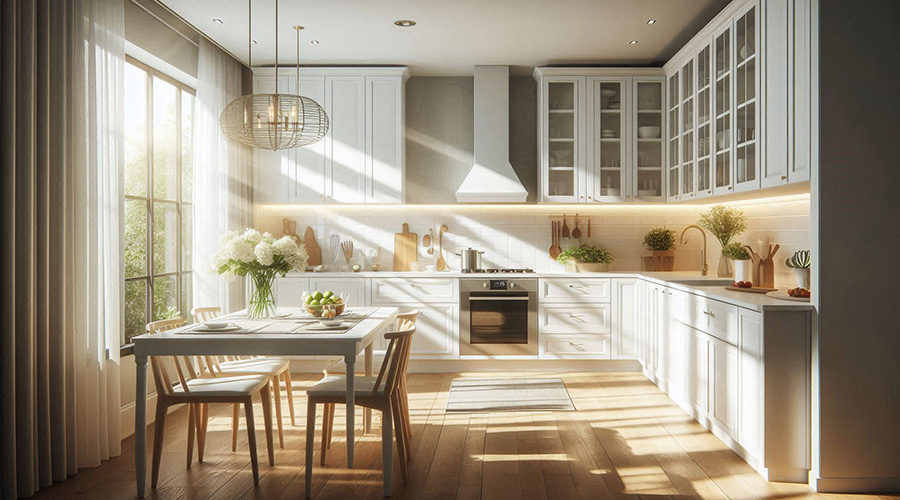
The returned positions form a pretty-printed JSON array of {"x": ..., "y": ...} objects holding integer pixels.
[
  {"x": 802, "y": 277},
  {"x": 743, "y": 270}
]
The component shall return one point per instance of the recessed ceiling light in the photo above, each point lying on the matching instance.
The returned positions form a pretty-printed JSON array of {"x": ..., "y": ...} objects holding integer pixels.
[
  {"x": 217, "y": 21},
  {"x": 405, "y": 23},
  {"x": 651, "y": 21},
  {"x": 633, "y": 42},
  {"x": 314, "y": 42}
]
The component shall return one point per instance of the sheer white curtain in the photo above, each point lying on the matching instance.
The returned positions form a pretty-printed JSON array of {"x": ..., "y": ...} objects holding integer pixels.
[
  {"x": 222, "y": 177},
  {"x": 61, "y": 73}
]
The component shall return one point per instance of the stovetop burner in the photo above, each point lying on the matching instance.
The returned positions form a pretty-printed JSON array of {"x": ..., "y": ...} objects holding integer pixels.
[{"x": 498, "y": 271}]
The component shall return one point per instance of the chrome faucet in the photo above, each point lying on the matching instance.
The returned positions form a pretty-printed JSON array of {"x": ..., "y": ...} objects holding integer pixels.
[{"x": 704, "y": 268}]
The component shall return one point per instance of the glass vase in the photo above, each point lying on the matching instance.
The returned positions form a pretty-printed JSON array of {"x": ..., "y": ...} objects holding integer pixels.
[
  {"x": 262, "y": 301},
  {"x": 725, "y": 270}
]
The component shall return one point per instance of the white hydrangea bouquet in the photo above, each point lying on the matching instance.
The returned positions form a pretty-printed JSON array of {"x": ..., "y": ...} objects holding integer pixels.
[{"x": 262, "y": 257}]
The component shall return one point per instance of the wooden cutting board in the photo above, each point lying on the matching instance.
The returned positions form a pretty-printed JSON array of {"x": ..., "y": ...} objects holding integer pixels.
[
  {"x": 312, "y": 248},
  {"x": 406, "y": 249},
  {"x": 755, "y": 289}
]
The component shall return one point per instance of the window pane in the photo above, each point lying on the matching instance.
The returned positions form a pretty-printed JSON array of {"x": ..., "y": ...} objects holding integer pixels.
[
  {"x": 165, "y": 298},
  {"x": 187, "y": 145},
  {"x": 187, "y": 228},
  {"x": 135, "y": 308},
  {"x": 165, "y": 238},
  {"x": 187, "y": 295},
  {"x": 135, "y": 131},
  {"x": 135, "y": 238},
  {"x": 165, "y": 137}
]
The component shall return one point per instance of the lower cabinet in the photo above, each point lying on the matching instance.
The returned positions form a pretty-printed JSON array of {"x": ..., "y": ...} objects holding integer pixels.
[
  {"x": 697, "y": 371},
  {"x": 625, "y": 318},
  {"x": 437, "y": 330},
  {"x": 353, "y": 288},
  {"x": 563, "y": 346},
  {"x": 751, "y": 377},
  {"x": 723, "y": 378},
  {"x": 289, "y": 291}
]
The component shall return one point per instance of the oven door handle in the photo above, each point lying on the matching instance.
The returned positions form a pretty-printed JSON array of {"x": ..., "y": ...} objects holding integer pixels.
[{"x": 472, "y": 299}]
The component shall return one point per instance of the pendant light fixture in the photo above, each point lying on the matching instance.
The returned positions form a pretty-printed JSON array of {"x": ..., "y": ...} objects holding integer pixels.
[{"x": 274, "y": 121}]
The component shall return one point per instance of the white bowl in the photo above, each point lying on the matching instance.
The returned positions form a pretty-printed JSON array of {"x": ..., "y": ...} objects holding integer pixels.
[
  {"x": 216, "y": 325},
  {"x": 648, "y": 132},
  {"x": 331, "y": 322}
]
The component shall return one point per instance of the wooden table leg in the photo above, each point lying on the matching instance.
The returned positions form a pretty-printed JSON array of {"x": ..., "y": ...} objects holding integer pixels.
[
  {"x": 350, "y": 361},
  {"x": 367, "y": 412},
  {"x": 140, "y": 423}
]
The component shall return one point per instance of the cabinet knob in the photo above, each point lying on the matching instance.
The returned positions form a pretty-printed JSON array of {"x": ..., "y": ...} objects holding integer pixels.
[
  {"x": 784, "y": 177},
  {"x": 582, "y": 197}
]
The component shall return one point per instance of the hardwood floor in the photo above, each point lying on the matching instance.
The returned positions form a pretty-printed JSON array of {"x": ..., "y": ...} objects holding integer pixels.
[{"x": 626, "y": 441}]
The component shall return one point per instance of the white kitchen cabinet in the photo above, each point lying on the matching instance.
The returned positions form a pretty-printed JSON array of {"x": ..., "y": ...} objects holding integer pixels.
[
  {"x": 389, "y": 291},
  {"x": 437, "y": 330},
  {"x": 697, "y": 374},
  {"x": 608, "y": 132},
  {"x": 575, "y": 290},
  {"x": 574, "y": 346},
  {"x": 569, "y": 318},
  {"x": 648, "y": 153},
  {"x": 289, "y": 291},
  {"x": 747, "y": 106},
  {"x": 362, "y": 157},
  {"x": 723, "y": 158},
  {"x": 561, "y": 138},
  {"x": 625, "y": 318},
  {"x": 674, "y": 134},
  {"x": 354, "y": 288},
  {"x": 752, "y": 383},
  {"x": 723, "y": 393}
]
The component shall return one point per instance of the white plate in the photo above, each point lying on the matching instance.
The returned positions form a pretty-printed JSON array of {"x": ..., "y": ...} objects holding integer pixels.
[
  {"x": 216, "y": 325},
  {"x": 323, "y": 328},
  {"x": 204, "y": 328},
  {"x": 783, "y": 295}
]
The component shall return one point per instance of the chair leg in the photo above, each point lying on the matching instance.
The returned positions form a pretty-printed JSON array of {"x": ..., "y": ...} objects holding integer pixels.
[
  {"x": 203, "y": 414},
  {"x": 277, "y": 385},
  {"x": 288, "y": 384},
  {"x": 330, "y": 426},
  {"x": 400, "y": 434},
  {"x": 405, "y": 403},
  {"x": 159, "y": 435},
  {"x": 310, "y": 444},
  {"x": 190, "y": 438},
  {"x": 326, "y": 438},
  {"x": 251, "y": 439},
  {"x": 387, "y": 449},
  {"x": 235, "y": 422},
  {"x": 267, "y": 420}
]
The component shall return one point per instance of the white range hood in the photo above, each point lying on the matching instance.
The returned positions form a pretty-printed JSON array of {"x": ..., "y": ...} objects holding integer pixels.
[{"x": 492, "y": 178}]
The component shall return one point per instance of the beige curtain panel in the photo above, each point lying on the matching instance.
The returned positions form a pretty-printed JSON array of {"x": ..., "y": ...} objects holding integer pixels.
[{"x": 61, "y": 73}]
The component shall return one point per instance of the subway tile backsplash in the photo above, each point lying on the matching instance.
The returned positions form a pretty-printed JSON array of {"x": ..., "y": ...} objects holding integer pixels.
[{"x": 519, "y": 236}]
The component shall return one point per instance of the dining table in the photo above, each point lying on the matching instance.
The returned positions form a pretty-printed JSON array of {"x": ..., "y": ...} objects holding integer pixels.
[{"x": 292, "y": 332}]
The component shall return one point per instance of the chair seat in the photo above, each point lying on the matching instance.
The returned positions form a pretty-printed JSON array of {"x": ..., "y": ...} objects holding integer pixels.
[
  {"x": 244, "y": 385},
  {"x": 336, "y": 386},
  {"x": 255, "y": 366}
]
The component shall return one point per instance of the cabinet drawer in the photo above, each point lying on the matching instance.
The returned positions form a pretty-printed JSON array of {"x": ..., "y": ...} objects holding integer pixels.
[
  {"x": 401, "y": 290},
  {"x": 575, "y": 290},
  {"x": 569, "y": 318},
  {"x": 570, "y": 346},
  {"x": 713, "y": 317},
  {"x": 353, "y": 288}
]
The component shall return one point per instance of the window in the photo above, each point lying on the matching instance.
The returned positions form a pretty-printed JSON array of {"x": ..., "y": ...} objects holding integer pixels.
[{"x": 159, "y": 122}]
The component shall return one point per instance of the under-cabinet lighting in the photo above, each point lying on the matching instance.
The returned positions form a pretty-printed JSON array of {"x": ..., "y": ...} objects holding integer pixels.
[
  {"x": 217, "y": 20},
  {"x": 651, "y": 21}
]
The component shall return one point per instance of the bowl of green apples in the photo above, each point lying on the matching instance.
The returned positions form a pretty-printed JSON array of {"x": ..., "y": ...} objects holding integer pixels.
[{"x": 317, "y": 303}]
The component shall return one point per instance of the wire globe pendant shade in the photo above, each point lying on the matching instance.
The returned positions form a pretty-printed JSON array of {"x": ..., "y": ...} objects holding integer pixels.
[{"x": 273, "y": 121}]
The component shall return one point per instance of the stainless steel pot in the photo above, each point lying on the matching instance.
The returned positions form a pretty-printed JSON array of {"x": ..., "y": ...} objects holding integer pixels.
[{"x": 469, "y": 259}]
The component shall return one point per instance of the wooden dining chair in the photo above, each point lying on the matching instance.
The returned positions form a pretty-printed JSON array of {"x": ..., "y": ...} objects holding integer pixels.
[
  {"x": 338, "y": 368},
  {"x": 275, "y": 369},
  {"x": 197, "y": 393},
  {"x": 378, "y": 393}
]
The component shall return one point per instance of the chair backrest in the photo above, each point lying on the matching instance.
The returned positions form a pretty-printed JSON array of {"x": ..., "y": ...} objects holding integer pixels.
[
  {"x": 396, "y": 359},
  {"x": 410, "y": 316},
  {"x": 202, "y": 314},
  {"x": 161, "y": 376}
]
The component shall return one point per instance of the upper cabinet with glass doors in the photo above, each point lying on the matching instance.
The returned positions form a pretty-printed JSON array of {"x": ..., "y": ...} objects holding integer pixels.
[{"x": 746, "y": 103}]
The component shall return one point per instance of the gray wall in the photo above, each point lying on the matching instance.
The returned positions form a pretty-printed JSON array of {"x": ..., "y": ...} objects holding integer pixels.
[
  {"x": 439, "y": 136},
  {"x": 855, "y": 212}
]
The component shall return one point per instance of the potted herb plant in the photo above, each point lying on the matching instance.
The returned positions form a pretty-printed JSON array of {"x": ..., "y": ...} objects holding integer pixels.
[
  {"x": 743, "y": 267},
  {"x": 799, "y": 262},
  {"x": 724, "y": 223},
  {"x": 585, "y": 259},
  {"x": 661, "y": 242}
]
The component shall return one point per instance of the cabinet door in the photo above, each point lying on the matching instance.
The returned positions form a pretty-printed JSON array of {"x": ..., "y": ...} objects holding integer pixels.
[
  {"x": 703, "y": 83},
  {"x": 664, "y": 338},
  {"x": 688, "y": 172},
  {"x": 648, "y": 178},
  {"x": 723, "y": 168},
  {"x": 574, "y": 318},
  {"x": 437, "y": 330},
  {"x": 650, "y": 342},
  {"x": 354, "y": 288},
  {"x": 804, "y": 100},
  {"x": 750, "y": 420},
  {"x": 345, "y": 143},
  {"x": 723, "y": 404},
  {"x": 679, "y": 367},
  {"x": 625, "y": 318},
  {"x": 697, "y": 373},
  {"x": 384, "y": 139},
  {"x": 562, "y": 152},
  {"x": 308, "y": 185},
  {"x": 273, "y": 170},
  {"x": 289, "y": 291},
  {"x": 746, "y": 83},
  {"x": 674, "y": 129},
  {"x": 606, "y": 175}
]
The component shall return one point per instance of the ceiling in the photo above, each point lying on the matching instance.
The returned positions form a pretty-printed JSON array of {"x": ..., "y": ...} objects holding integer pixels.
[{"x": 454, "y": 35}]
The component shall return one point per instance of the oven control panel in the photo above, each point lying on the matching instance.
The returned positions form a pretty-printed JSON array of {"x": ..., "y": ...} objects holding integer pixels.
[
  {"x": 507, "y": 285},
  {"x": 501, "y": 285}
]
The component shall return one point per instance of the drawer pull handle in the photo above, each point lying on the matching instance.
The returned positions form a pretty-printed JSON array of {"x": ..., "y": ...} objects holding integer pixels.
[
  {"x": 417, "y": 287},
  {"x": 578, "y": 288},
  {"x": 709, "y": 313},
  {"x": 577, "y": 317},
  {"x": 576, "y": 346}
]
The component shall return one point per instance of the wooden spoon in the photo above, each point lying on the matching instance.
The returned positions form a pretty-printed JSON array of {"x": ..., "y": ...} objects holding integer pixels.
[
  {"x": 441, "y": 264},
  {"x": 554, "y": 241},
  {"x": 565, "y": 228},
  {"x": 576, "y": 233},
  {"x": 426, "y": 241},
  {"x": 589, "y": 227}
]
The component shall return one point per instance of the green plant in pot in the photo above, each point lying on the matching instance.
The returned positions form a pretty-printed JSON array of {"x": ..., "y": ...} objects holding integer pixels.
[
  {"x": 661, "y": 242},
  {"x": 585, "y": 259},
  {"x": 743, "y": 267},
  {"x": 800, "y": 262},
  {"x": 724, "y": 223}
]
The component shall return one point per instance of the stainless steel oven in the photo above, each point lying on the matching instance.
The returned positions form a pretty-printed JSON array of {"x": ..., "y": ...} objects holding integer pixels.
[{"x": 498, "y": 316}]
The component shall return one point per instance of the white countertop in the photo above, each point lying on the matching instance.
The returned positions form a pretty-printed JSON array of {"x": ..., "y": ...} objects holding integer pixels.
[{"x": 689, "y": 281}]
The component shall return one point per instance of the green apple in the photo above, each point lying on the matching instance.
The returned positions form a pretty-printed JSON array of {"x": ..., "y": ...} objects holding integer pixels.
[
  {"x": 328, "y": 294},
  {"x": 308, "y": 298},
  {"x": 317, "y": 295}
]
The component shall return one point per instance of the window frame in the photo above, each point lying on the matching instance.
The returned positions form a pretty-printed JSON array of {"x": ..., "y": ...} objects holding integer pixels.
[{"x": 150, "y": 201}]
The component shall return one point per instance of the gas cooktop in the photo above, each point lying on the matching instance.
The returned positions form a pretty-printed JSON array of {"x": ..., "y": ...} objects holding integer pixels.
[{"x": 498, "y": 271}]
